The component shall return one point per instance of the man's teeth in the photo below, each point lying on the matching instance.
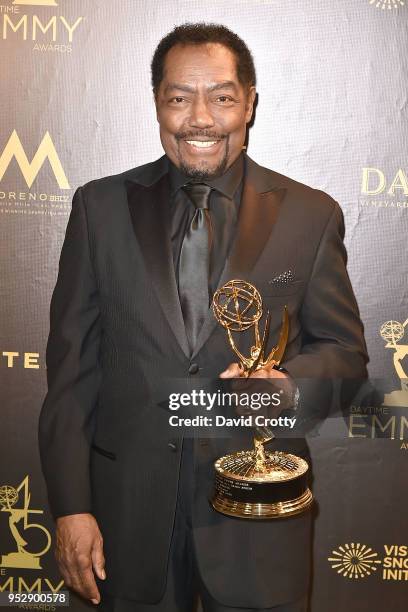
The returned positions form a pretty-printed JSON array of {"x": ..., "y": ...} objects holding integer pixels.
[{"x": 202, "y": 143}]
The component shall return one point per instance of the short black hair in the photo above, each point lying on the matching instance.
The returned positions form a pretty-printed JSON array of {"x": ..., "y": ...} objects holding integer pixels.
[{"x": 201, "y": 34}]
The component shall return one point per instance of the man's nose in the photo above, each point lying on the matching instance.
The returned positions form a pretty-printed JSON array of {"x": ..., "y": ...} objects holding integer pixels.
[{"x": 201, "y": 116}]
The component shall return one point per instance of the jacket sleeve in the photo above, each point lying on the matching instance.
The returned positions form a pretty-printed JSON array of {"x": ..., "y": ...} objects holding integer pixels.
[
  {"x": 332, "y": 361},
  {"x": 333, "y": 344},
  {"x": 66, "y": 419}
]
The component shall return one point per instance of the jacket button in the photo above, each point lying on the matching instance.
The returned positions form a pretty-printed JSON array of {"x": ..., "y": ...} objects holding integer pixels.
[
  {"x": 173, "y": 447},
  {"x": 193, "y": 369}
]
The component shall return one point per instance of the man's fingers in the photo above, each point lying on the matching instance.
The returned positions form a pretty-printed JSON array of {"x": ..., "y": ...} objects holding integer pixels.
[
  {"x": 89, "y": 586},
  {"x": 234, "y": 370},
  {"x": 84, "y": 583},
  {"x": 98, "y": 560},
  {"x": 63, "y": 568},
  {"x": 79, "y": 553},
  {"x": 65, "y": 574},
  {"x": 268, "y": 372}
]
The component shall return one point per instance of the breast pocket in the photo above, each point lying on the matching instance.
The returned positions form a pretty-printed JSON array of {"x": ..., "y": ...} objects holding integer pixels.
[{"x": 269, "y": 289}]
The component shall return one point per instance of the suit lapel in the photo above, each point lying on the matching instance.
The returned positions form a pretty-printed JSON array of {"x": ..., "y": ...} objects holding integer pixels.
[
  {"x": 258, "y": 213},
  {"x": 148, "y": 199},
  {"x": 150, "y": 213}
]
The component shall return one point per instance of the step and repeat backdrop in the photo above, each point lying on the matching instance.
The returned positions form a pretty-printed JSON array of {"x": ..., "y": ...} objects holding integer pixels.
[{"x": 76, "y": 104}]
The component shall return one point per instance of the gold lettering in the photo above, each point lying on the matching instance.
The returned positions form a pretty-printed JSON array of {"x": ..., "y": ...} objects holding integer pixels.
[
  {"x": 36, "y": 2},
  {"x": 398, "y": 574},
  {"x": 390, "y": 574},
  {"x": 31, "y": 360},
  {"x": 52, "y": 22},
  {"x": 377, "y": 423},
  {"x": 8, "y": 21},
  {"x": 353, "y": 425},
  {"x": 400, "y": 182},
  {"x": 9, "y": 583},
  {"x": 10, "y": 358},
  {"x": 366, "y": 181},
  {"x": 403, "y": 425},
  {"x": 71, "y": 29},
  {"x": 398, "y": 562},
  {"x": 56, "y": 588},
  {"x": 23, "y": 586}
]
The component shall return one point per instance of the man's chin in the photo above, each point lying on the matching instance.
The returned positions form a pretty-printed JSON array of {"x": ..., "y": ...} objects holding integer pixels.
[{"x": 203, "y": 170}]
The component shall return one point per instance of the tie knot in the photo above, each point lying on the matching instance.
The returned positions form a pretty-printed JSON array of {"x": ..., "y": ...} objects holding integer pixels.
[{"x": 198, "y": 193}]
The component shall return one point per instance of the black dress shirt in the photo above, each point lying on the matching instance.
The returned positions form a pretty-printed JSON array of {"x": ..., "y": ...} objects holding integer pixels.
[{"x": 223, "y": 205}]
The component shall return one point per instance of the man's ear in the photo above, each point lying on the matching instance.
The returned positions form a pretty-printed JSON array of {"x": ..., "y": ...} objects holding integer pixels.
[
  {"x": 156, "y": 102},
  {"x": 249, "y": 103}
]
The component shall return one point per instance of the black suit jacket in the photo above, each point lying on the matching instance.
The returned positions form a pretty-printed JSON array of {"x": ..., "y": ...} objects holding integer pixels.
[{"x": 117, "y": 346}]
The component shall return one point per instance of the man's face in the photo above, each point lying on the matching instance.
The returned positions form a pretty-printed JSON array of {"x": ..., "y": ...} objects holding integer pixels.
[{"x": 202, "y": 109}]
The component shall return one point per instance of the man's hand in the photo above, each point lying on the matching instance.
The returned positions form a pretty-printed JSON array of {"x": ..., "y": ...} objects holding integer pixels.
[
  {"x": 234, "y": 370},
  {"x": 79, "y": 554},
  {"x": 274, "y": 381}
]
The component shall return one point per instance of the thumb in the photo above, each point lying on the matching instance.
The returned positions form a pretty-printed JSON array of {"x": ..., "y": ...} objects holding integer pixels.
[
  {"x": 98, "y": 560},
  {"x": 234, "y": 370}
]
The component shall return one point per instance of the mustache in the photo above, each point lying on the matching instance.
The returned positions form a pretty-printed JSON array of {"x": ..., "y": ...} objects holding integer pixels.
[{"x": 201, "y": 134}]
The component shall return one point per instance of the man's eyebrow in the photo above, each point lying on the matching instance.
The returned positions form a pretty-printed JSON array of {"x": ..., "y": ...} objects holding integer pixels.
[
  {"x": 224, "y": 85},
  {"x": 190, "y": 89},
  {"x": 180, "y": 87}
]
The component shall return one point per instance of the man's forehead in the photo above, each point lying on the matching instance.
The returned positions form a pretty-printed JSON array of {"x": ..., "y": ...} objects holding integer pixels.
[{"x": 192, "y": 60}]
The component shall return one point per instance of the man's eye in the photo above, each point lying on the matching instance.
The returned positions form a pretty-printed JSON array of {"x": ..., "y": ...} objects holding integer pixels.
[
  {"x": 177, "y": 100},
  {"x": 224, "y": 99}
]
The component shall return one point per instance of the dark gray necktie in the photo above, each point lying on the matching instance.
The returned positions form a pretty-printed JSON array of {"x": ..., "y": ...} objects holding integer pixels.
[{"x": 194, "y": 263}]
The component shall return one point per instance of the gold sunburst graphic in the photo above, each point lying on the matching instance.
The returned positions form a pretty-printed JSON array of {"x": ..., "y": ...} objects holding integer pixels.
[
  {"x": 354, "y": 560},
  {"x": 387, "y": 4}
]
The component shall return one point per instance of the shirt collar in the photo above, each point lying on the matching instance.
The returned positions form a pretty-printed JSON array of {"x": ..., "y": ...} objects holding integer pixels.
[{"x": 227, "y": 183}]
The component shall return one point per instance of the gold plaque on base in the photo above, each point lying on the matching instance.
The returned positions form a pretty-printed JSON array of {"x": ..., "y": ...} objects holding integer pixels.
[{"x": 279, "y": 490}]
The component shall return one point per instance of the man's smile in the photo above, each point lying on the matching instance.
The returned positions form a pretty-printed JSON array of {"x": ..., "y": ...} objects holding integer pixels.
[{"x": 202, "y": 146}]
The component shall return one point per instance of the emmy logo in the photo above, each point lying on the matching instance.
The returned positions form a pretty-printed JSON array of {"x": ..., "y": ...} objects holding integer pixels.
[
  {"x": 392, "y": 332},
  {"x": 20, "y": 557}
]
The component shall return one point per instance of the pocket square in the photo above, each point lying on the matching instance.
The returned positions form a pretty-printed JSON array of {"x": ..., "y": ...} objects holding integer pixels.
[{"x": 283, "y": 279}]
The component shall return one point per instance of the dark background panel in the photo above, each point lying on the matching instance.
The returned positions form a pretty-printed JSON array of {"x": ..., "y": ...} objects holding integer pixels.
[{"x": 332, "y": 102}]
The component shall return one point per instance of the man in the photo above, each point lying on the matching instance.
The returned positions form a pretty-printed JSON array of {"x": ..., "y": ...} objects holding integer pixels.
[{"x": 130, "y": 321}]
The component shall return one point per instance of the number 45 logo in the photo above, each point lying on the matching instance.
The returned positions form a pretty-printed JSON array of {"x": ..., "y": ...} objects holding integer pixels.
[{"x": 15, "y": 513}]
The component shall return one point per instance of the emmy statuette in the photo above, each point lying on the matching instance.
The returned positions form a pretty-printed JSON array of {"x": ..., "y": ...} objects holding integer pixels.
[{"x": 256, "y": 484}]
